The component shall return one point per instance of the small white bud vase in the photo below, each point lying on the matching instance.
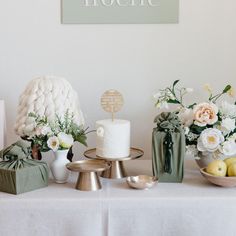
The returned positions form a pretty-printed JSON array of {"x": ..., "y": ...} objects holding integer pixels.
[{"x": 58, "y": 166}]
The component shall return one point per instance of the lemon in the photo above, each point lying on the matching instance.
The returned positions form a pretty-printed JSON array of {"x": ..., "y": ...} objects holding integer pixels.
[
  {"x": 232, "y": 169},
  {"x": 217, "y": 168},
  {"x": 229, "y": 161}
]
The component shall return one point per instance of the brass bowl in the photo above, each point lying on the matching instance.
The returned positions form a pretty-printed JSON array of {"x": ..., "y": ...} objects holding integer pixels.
[
  {"x": 141, "y": 181},
  {"x": 218, "y": 180}
]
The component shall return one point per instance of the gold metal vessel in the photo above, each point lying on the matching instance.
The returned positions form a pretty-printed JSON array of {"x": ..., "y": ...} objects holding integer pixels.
[
  {"x": 117, "y": 170},
  {"x": 88, "y": 179},
  {"x": 141, "y": 181}
]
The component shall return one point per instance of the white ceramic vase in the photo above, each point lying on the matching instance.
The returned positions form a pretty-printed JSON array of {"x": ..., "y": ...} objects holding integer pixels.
[{"x": 58, "y": 166}]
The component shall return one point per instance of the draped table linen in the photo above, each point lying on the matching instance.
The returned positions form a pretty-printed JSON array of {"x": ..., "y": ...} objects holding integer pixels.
[{"x": 194, "y": 207}]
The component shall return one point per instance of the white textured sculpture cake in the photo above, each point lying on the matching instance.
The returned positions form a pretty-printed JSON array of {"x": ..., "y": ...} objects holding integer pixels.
[
  {"x": 113, "y": 138},
  {"x": 46, "y": 96}
]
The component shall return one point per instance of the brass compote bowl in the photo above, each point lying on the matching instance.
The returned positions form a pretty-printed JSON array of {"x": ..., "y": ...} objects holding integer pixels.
[{"x": 88, "y": 179}]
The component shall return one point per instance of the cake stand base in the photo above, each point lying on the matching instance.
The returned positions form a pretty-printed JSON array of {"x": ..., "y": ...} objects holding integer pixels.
[
  {"x": 117, "y": 169},
  {"x": 88, "y": 181}
]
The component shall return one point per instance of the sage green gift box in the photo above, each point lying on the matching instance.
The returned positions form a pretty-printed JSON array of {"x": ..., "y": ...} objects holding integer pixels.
[
  {"x": 18, "y": 172},
  {"x": 168, "y": 148}
]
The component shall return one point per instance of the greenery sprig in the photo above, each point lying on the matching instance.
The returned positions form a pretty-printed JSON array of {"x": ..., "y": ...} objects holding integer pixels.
[
  {"x": 172, "y": 95},
  {"x": 63, "y": 124},
  {"x": 213, "y": 98}
]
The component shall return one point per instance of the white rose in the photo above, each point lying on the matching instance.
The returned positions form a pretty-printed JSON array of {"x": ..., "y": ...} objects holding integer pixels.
[
  {"x": 228, "y": 148},
  {"x": 53, "y": 143},
  {"x": 186, "y": 116},
  {"x": 65, "y": 140},
  {"x": 210, "y": 140},
  {"x": 227, "y": 125},
  {"x": 46, "y": 130},
  {"x": 205, "y": 114},
  {"x": 228, "y": 110}
]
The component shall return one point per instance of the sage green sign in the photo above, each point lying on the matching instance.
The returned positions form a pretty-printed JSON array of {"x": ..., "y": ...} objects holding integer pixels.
[{"x": 120, "y": 11}]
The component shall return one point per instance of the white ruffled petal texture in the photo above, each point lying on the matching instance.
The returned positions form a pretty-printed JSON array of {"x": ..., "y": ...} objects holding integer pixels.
[
  {"x": 228, "y": 110},
  {"x": 210, "y": 140},
  {"x": 228, "y": 148},
  {"x": 227, "y": 125},
  {"x": 53, "y": 143},
  {"x": 205, "y": 114},
  {"x": 65, "y": 140},
  {"x": 186, "y": 116}
]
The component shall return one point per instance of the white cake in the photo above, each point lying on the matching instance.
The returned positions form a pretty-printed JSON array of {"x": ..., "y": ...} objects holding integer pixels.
[{"x": 113, "y": 138}]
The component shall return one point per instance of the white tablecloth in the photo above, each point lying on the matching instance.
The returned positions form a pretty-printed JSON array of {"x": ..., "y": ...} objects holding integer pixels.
[{"x": 194, "y": 207}]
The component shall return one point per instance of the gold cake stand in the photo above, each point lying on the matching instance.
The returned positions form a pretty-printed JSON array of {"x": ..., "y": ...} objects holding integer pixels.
[
  {"x": 117, "y": 169},
  {"x": 88, "y": 179}
]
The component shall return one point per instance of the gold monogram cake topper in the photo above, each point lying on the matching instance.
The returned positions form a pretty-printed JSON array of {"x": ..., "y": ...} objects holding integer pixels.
[{"x": 112, "y": 101}]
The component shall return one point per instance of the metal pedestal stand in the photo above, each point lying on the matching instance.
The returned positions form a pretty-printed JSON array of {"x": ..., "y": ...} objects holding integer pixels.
[
  {"x": 117, "y": 170},
  {"x": 88, "y": 179}
]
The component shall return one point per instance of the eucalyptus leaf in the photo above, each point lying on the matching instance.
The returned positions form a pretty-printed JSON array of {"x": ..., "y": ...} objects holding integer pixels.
[
  {"x": 82, "y": 139},
  {"x": 191, "y": 106},
  {"x": 173, "y": 101},
  {"x": 197, "y": 129},
  {"x": 175, "y": 82},
  {"x": 227, "y": 88}
]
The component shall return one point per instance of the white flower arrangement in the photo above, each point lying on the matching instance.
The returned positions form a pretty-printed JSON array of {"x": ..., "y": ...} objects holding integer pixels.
[
  {"x": 209, "y": 127},
  {"x": 56, "y": 135}
]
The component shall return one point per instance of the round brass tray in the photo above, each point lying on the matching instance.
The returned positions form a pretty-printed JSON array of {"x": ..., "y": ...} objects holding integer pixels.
[
  {"x": 88, "y": 166},
  {"x": 117, "y": 170},
  {"x": 88, "y": 179},
  {"x": 134, "y": 154}
]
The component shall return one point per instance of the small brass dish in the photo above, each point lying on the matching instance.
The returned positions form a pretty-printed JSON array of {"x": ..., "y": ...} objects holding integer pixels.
[{"x": 141, "y": 181}]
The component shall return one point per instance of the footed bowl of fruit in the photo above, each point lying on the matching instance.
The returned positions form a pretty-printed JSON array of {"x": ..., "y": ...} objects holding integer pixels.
[{"x": 221, "y": 172}]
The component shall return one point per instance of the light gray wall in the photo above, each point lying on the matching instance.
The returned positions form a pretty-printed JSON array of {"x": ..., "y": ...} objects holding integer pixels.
[{"x": 135, "y": 59}]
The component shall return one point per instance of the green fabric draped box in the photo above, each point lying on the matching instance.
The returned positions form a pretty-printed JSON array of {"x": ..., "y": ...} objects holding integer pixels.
[
  {"x": 18, "y": 172},
  {"x": 168, "y": 148}
]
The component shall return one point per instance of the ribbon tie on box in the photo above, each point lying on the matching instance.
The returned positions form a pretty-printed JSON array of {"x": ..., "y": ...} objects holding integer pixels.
[
  {"x": 168, "y": 122},
  {"x": 17, "y": 156}
]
